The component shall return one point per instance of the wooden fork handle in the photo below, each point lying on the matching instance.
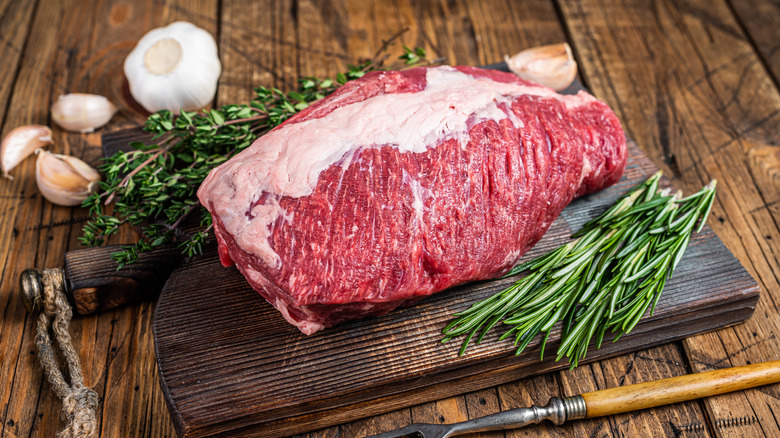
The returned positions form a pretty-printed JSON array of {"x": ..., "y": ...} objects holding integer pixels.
[{"x": 677, "y": 389}]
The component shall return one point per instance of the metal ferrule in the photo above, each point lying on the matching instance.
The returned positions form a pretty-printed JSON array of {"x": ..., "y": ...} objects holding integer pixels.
[
  {"x": 32, "y": 282},
  {"x": 575, "y": 407}
]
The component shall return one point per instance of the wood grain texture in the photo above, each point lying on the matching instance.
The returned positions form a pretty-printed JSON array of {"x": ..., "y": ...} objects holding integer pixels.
[
  {"x": 70, "y": 46},
  {"x": 713, "y": 103},
  {"x": 692, "y": 81},
  {"x": 758, "y": 19}
]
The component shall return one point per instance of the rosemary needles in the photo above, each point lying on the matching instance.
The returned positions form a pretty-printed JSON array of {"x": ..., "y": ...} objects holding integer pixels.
[{"x": 605, "y": 279}]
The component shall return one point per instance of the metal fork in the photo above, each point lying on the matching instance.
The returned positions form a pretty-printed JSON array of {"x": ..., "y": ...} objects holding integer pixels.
[{"x": 608, "y": 401}]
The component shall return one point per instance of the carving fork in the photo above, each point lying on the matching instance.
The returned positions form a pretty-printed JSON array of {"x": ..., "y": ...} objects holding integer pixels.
[{"x": 608, "y": 401}]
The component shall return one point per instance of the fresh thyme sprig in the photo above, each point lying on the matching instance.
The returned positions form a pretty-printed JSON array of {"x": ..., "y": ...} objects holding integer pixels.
[
  {"x": 607, "y": 278},
  {"x": 154, "y": 186}
]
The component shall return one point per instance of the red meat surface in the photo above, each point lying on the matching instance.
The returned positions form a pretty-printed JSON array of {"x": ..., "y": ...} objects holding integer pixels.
[{"x": 330, "y": 219}]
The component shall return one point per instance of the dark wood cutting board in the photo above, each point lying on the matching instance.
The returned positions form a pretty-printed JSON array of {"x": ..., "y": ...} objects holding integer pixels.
[{"x": 231, "y": 365}]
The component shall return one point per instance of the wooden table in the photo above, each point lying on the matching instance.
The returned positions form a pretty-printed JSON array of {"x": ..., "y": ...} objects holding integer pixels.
[{"x": 696, "y": 83}]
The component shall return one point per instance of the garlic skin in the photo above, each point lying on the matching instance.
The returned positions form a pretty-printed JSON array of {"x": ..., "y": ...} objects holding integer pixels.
[
  {"x": 552, "y": 66},
  {"x": 174, "y": 67},
  {"x": 64, "y": 180},
  {"x": 80, "y": 112},
  {"x": 20, "y": 143}
]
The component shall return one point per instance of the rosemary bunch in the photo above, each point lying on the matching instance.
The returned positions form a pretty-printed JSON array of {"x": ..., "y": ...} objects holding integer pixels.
[
  {"x": 154, "y": 186},
  {"x": 605, "y": 279}
]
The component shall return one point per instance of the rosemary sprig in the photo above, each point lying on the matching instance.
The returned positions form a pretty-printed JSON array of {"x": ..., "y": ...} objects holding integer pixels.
[
  {"x": 154, "y": 186},
  {"x": 605, "y": 279}
]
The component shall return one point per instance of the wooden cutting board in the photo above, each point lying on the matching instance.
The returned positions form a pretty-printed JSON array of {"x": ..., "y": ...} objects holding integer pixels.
[{"x": 231, "y": 365}]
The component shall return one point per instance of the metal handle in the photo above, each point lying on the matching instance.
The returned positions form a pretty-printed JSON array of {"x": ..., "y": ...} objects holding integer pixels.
[{"x": 556, "y": 411}]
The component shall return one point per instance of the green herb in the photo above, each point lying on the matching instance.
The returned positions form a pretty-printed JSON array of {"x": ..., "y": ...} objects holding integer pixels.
[
  {"x": 606, "y": 279},
  {"x": 154, "y": 186}
]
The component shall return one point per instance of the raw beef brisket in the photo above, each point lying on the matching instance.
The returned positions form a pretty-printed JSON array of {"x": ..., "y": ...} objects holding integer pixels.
[{"x": 402, "y": 184}]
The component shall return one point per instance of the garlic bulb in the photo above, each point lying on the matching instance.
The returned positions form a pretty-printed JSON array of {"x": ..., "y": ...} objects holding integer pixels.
[
  {"x": 81, "y": 112},
  {"x": 20, "y": 143},
  {"x": 64, "y": 180},
  {"x": 552, "y": 66},
  {"x": 174, "y": 67}
]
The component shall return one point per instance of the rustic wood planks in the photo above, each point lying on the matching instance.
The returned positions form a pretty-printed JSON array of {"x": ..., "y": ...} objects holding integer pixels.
[
  {"x": 714, "y": 114},
  {"x": 630, "y": 53},
  {"x": 55, "y": 48}
]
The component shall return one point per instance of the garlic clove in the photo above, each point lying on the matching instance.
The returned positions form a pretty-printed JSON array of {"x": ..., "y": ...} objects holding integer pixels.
[
  {"x": 20, "y": 143},
  {"x": 552, "y": 66},
  {"x": 173, "y": 68},
  {"x": 80, "y": 112},
  {"x": 64, "y": 180}
]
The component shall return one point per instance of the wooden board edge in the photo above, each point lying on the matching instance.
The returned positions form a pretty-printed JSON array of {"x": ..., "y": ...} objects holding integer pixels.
[
  {"x": 176, "y": 417},
  {"x": 279, "y": 424}
]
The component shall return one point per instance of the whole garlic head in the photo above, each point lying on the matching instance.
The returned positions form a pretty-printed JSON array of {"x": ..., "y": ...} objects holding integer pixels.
[
  {"x": 174, "y": 67},
  {"x": 64, "y": 180}
]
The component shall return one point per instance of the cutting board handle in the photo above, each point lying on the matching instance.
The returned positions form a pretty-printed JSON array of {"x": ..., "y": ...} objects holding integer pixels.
[{"x": 93, "y": 283}]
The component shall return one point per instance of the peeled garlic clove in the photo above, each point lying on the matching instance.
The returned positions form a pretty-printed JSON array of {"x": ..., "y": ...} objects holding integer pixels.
[
  {"x": 80, "y": 112},
  {"x": 20, "y": 143},
  {"x": 552, "y": 66},
  {"x": 64, "y": 180},
  {"x": 173, "y": 68}
]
